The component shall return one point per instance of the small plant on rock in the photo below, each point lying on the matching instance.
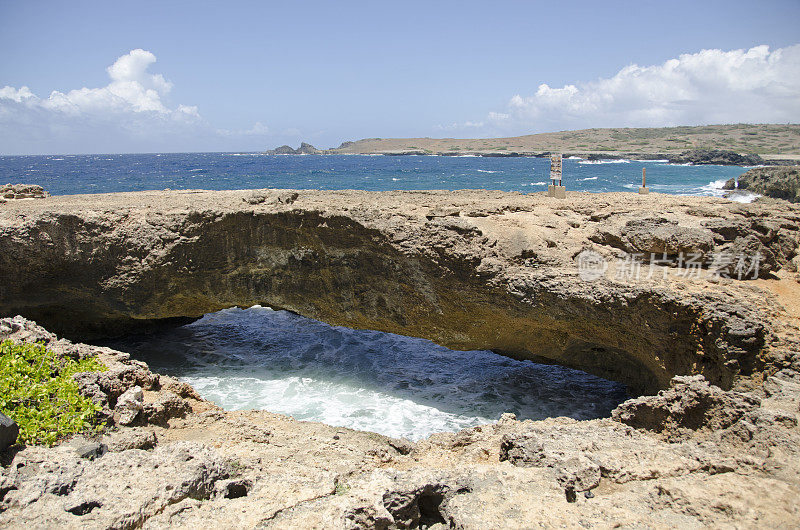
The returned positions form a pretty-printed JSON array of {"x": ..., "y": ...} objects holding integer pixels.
[{"x": 38, "y": 392}]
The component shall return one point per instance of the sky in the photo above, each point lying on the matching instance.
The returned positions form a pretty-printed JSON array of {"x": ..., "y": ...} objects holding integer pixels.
[{"x": 111, "y": 77}]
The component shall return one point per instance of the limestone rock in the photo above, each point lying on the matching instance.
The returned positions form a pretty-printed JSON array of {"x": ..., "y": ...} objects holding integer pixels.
[
  {"x": 656, "y": 235},
  {"x": 578, "y": 473},
  {"x": 120, "y": 490},
  {"x": 134, "y": 438},
  {"x": 22, "y": 191},
  {"x": 505, "y": 280},
  {"x": 776, "y": 182},
  {"x": 167, "y": 407},
  {"x": 690, "y": 403},
  {"x": 129, "y": 405}
]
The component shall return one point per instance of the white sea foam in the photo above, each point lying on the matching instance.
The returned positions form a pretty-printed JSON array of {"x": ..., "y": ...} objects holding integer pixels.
[
  {"x": 540, "y": 183},
  {"x": 485, "y": 171},
  {"x": 399, "y": 386},
  {"x": 588, "y": 178},
  {"x": 620, "y": 161},
  {"x": 741, "y": 196},
  {"x": 574, "y": 158}
]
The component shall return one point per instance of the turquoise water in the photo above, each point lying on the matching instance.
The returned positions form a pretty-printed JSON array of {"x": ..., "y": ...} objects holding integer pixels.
[{"x": 69, "y": 174}]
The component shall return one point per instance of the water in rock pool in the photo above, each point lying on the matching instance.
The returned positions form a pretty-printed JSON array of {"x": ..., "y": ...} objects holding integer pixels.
[{"x": 278, "y": 361}]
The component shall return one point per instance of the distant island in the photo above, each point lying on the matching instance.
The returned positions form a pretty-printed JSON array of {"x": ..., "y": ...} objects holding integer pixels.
[{"x": 738, "y": 144}]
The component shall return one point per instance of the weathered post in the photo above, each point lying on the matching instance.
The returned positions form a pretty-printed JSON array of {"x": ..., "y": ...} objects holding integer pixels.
[
  {"x": 643, "y": 189},
  {"x": 555, "y": 189}
]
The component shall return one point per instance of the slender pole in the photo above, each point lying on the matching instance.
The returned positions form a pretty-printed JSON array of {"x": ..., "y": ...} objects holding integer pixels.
[{"x": 643, "y": 183}]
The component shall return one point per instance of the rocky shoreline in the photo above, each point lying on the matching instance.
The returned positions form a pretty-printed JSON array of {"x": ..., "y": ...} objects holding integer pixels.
[
  {"x": 694, "y": 157},
  {"x": 693, "y": 455},
  {"x": 712, "y": 439},
  {"x": 778, "y": 183}
]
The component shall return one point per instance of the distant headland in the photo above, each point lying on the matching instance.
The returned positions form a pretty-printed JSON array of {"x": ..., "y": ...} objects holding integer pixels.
[{"x": 738, "y": 144}]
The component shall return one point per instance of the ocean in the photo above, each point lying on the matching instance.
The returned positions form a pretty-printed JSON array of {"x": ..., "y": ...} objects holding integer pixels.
[
  {"x": 76, "y": 174},
  {"x": 257, "y": 358}
]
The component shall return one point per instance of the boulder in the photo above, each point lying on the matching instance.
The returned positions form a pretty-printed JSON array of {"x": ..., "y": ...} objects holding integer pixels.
[
  {"x": 167, "y": 407},
  {"x": 135, "y": 438},
  {"x": 129, "y": 405},
  {"x": 656, "y": 235},
  {"x": 22, "y": 191},
  {"x": 9, "y": 430},
  {"x": 691, "y": 403}
]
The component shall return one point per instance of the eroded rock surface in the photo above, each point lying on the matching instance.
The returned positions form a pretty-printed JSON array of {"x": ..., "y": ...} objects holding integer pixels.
[
  {"x": 729, "y": 460},
  {"x": 469, "y": 270},
  {"x": 776, "y": 182}
]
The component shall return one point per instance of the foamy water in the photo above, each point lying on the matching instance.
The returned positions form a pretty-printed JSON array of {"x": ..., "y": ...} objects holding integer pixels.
[{"x": 258, "y": 358}]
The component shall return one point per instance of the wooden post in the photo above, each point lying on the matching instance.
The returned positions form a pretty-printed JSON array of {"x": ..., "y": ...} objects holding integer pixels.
[{"x": 643, "y": 190}]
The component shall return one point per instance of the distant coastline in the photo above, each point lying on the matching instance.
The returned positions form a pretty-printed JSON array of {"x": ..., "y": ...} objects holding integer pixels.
[{"x": 740, "y": 144}]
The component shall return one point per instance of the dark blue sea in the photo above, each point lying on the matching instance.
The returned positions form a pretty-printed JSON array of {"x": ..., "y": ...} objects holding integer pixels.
[{"x": 73, "y": 174}]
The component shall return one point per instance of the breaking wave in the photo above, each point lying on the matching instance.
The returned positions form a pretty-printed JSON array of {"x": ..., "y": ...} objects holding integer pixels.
[{"x": 258, "y": 358}]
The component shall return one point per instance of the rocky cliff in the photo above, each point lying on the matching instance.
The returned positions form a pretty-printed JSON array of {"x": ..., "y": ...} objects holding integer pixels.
[
  {"x": 469, "y": 270},
  {"x": 717, "y": 157},
  {"x": 777, "y": 182}
]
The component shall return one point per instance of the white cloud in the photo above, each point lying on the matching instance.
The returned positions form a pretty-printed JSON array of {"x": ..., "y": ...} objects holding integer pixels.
[
  {"x": 710, "y": 86},
  {"x": 129, "y": 114},
  {"x": 461, "y": 126}
]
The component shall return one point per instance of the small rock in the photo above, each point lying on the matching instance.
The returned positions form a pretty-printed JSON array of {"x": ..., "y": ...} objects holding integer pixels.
[
  {"x": 578, "y": 473},
  {"x": 255, "y": 198},
  {"x": 570, "y": 494},
  {"x": 167, "y": 407},
  {"x": 288, "y": 198},
  {"x": 402, "y": 446},
  {"x": 91, "y": 450},
  {"x": 129, "y": 405},
  {"x": 522, "y": 451},
  {"x": 9, "y": 431},
  {"x": 136, "y": 438}
]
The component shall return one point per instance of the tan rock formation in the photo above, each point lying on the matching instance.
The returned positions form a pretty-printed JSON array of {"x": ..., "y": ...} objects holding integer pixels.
[{"x": 469, "y": 270}]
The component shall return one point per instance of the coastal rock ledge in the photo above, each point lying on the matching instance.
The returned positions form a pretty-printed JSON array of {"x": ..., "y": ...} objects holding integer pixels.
[
  {"x": 468, "y": 270},
  {"x": 714, "y": 440}
]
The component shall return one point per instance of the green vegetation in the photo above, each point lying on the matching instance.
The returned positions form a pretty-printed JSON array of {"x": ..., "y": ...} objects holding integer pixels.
[{"x": 38, "y": 392}]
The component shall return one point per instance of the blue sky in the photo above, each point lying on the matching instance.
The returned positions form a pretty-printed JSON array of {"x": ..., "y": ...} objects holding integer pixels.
[{"x": 252, "y": 75}]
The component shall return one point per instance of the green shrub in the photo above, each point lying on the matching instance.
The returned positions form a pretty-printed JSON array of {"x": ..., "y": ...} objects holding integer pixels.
[{"x": 38, "y": 392}]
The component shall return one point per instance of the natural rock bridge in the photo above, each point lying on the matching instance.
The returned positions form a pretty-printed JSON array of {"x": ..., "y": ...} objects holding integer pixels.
[{"x": 468, "y": 270}]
